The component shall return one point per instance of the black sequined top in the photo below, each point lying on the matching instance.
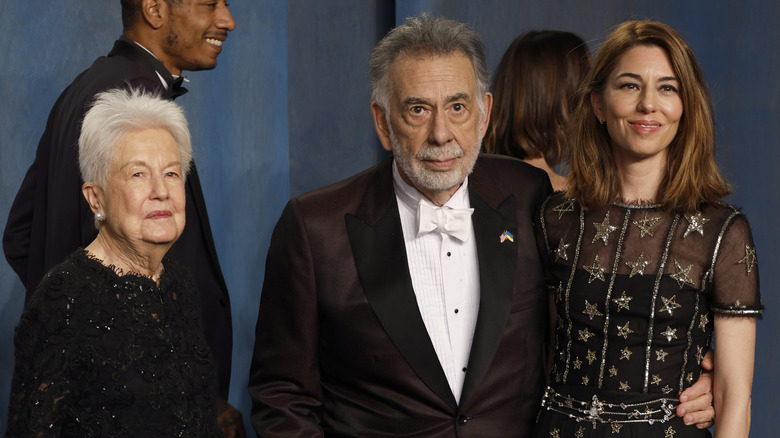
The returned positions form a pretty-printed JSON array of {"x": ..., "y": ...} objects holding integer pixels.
[
  {"x": 636, "y": 289},
  {"x": 101, "y": 354}
]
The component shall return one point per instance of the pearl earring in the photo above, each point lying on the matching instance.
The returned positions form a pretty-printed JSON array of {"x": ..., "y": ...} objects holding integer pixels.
[{"x": 99, "y": 216}]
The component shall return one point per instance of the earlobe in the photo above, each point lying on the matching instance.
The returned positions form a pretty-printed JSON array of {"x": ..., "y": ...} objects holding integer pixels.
[
  {"x": 93, "y": 195},
  {"x": 380, "y": 123},
  {"x": 487, "y": 101}
]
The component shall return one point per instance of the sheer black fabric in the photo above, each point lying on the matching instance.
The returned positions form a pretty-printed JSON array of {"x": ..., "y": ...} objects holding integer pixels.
[
  {"x": 102, "y": 354},
  {"x": 636, "y": 290}
]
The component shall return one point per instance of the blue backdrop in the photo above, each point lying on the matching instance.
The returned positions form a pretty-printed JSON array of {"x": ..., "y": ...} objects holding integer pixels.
[{"x": 287, "y": 110}]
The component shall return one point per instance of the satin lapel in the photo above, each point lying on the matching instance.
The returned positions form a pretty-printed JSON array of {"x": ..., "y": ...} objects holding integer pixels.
[
  {"x": 380, "y": 256},
  {"x": 497, "y": 271}
]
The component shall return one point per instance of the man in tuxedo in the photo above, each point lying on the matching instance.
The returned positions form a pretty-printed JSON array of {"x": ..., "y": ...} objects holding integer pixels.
[
  {"x": 49, "y": 218},
  {"x": 409, "y": 300}
]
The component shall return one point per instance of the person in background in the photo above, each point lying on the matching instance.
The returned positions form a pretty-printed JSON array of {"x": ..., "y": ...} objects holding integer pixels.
[
  {"x": 644, "y": 260},
  {"x": 534, "y": 96},
  {"x": 49, "y": 219},
  {"x": 110, "y": 343}
]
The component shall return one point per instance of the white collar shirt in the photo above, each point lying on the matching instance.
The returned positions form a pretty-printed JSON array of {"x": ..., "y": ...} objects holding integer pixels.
[{"x": 445, "y": 278}]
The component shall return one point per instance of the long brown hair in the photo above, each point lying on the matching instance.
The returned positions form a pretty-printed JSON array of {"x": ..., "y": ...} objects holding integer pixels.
[
  {"x": 692, "y": 176},
  {"x": 534, "y": 88}
]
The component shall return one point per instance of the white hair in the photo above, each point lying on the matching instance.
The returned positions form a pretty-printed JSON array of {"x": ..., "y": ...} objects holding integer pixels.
[{"x": 117, "y": 112}]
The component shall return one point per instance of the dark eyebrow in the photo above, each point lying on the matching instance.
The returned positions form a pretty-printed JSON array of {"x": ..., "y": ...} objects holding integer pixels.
[
  {"x": 458, "y": 96},
  {"x": 639, "y": 78},
  {"x": 419, "y": 100}
]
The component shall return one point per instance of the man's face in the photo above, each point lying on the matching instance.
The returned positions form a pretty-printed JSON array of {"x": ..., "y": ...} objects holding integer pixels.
[
  {"x": 195, "y": 32},
  {"x": 435, "y": 126}
]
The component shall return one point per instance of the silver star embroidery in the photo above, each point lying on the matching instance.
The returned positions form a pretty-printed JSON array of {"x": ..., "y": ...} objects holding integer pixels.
[
  {"x": 585, "y": 334},
  {"x": 613, "y": 371},
  {"x": 669, "y": 304},
  {"x": 603, "y": 229},
  {"x": 624, "y": 331},
  {"x": 580, "y": 432},
  {"x": 646, "y": 225},
  {"x": 695, "y": 223},
  {"x": 656, "y": 380},
  {"x": 616, "y": 427},
  {"x": 670, "y": 432},
  {"x": 585, "y": 380},
  {"x": 749, "y": 260},
  {"x": 622, "y": 302},
  {"x": 625, "y": 353},
  {"x": 703, "y": 321},
  {"x": 689, "y": 378},
  {"x": 666, "y": 389},
  {"x": 591, "y": 357},
  {"x": 682, "y": 275},
  {"x": 567, "y": 206},
  {"x": 591, "y": 310},
  {"x": 660, "y": 355},
  {"x": 624, "y": 386},
  {"x": 595, "y": 271},
  {"x": 577, "y": 363},
  {"x": 669, "y": 334},
  {"x": 638, "y": 266},
  {"x": 555, "y": 433},
  {"x": 560, "y": 252},
  {"x": 699, "y": 354}
]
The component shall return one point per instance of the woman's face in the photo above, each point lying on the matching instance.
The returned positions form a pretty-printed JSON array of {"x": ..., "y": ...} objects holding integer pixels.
[
  {"x": 641, "y": 105},
  {"x": 144, "y": 197}
]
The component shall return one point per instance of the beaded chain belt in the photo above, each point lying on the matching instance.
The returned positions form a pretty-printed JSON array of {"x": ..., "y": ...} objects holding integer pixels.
[{"x": 597, "y": 411}]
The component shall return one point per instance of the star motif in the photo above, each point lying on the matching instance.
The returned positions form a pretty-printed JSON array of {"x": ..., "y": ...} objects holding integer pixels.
[
  {"x": 670, "y": 432},
  {"x": 669, "y": 334},
  {"x": 656, "y": 380},
  {"x": 560, "y": 252},
  {"x": 591, "y": 357},
  {"x": 567, "y": 206},
  {"x": 613, "y": 371},
  {"x": 616, "y": 427},
  {"x": 591, "y": 310},
  {"x": 703, "y": 321},
  {"x": 555, "y": 433},
  {"x": 580, "y": 432},
  {"x": 749, "y": 260},
  {"x": 682, "y": 275},
  {"x": 625, "y": 353},
  {"x": 624, "y": 331},
  {"x": 585, "y": 380},
  {"x": 660, "y": 355},
  {"x": 666, "y": 389},
  {"x": 577, "y": 363},
  {"x": 595, "y": 271},
  {"x": 585, "y": 334},
  {"x": 622, "y": 302},
  {"x": 689, "y": 377},
  {"x": 646, "y": 225},
  {"x": 669, "y": 304},
  {"x": 638, "y": 266},
  {"x": 603, "y": 229},
  {"x": 624, "y": 386},
  {"x": 695, "y": 223},
  {"x": 699, "y": 354}
]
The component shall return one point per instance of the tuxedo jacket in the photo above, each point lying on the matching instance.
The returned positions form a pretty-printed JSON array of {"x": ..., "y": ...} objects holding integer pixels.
[
  {"x": 50, "y": 218},
  {"x": 341, "y": 348}
]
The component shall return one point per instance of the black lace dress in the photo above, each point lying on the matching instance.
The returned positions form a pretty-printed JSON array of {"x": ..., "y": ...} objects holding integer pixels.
[
  {"x": 105, "y": 355},
  {"x": 636, "y": 290}
]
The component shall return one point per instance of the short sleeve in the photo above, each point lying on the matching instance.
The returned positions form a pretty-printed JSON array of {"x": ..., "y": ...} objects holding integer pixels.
[{"x": 735, "y": 285}]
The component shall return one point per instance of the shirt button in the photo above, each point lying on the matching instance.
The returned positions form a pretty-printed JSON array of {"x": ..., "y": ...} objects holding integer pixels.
[
  {"x": 456, "y": 310},
  {"x": 449, "y": 254}
]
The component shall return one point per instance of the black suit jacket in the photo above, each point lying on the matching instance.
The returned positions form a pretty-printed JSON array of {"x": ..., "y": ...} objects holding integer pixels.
[
  {"x": 341, "y": 348},
  {"x": 50, "y": 218}
]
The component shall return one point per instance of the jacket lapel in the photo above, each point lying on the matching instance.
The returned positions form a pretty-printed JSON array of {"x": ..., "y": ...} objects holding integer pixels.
[
  {"x": 497, "y": 272},
  {"x": 377, "y": 242}
]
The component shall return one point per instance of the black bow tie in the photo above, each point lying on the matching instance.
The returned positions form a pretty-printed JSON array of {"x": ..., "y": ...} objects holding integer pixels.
[{"x": 175, "y": 89}]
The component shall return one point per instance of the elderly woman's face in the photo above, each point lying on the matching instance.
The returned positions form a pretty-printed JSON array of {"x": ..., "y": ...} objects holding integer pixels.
[
  {"x": 641, "y": 104},
  {"x": 144, "y": 195}
]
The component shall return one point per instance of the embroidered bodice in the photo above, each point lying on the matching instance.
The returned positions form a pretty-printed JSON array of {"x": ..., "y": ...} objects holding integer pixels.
[
  {"x": 101, "y": 354},
  {"x": 636, "y": 290}
]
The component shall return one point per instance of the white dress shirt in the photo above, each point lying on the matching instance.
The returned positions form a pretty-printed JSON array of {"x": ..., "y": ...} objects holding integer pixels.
[{"x": 445, "y": 277}]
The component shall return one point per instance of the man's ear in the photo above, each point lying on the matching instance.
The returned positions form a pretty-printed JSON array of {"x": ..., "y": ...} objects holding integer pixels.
[
  {"x": 154, "y": 12},
  {"x": 94, "y": 196},
  {"x": 380, "y": 123},
  {"x": 487, "y": 102}
]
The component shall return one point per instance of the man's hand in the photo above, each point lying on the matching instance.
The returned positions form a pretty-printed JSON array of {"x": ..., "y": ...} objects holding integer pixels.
[
  {"x": 696, "y": 401},
  {"x": 230, "y": 421}
]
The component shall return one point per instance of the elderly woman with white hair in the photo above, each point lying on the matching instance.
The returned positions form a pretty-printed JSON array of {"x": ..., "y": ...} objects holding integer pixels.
[{"x": 111, "y": 343}]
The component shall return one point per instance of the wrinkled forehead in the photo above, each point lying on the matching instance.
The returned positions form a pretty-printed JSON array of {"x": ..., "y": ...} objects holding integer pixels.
[{"x": 425, "y": 72}]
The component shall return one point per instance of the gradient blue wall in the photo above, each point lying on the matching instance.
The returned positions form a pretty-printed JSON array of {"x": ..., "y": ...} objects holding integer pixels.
[{"x": 287, "y": 110}]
